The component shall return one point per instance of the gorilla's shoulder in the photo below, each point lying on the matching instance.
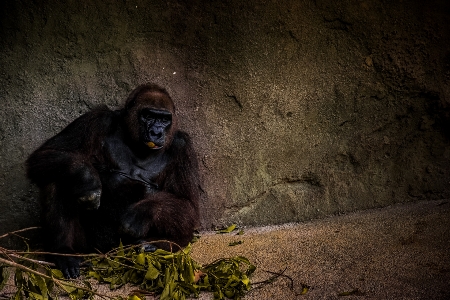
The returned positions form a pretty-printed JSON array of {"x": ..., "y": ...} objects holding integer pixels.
[
  {"x": 181, "y": 140},
  {"x": 100, "y": 115},
  {"x": 99, "y": 120}
]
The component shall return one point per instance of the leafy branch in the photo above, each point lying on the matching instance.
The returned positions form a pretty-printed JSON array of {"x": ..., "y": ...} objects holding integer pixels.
[{"x": 172, "y": 275}]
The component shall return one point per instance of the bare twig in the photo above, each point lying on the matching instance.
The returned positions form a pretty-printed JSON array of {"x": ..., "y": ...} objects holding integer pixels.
[
  {"x": 115, "y": 250},
  {"x": 17, "y": 231},
  {"x": 273, "y": 278},
  {"x": 5, "y": 253},
  {"x": 60, "y": 283},
  {"x": 281, "y": 274},
  {"x": 53, "y": 253},
  {"x": 40, "y": 262}
]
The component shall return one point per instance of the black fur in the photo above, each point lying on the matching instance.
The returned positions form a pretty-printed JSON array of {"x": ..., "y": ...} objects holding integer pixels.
[{"x": 100, "y": 182}]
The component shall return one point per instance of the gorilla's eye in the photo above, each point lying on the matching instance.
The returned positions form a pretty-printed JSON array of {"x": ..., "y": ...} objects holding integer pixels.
[
  {"x": 153, "y": 115},
  {"x": 147, "y": 115}
]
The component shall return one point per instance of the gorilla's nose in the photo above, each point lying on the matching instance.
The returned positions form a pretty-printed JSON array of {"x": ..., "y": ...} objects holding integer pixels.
[{"x": 156, "y": 133}]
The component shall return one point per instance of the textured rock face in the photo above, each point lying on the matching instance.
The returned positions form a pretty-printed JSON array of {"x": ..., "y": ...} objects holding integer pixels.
[{"x": 298, "y": 109}]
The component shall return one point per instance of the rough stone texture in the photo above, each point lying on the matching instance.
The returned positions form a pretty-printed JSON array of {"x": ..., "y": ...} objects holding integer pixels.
[{"x": 298, "y": 109}]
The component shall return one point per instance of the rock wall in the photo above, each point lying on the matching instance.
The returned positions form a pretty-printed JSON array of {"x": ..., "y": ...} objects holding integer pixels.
[{"x": 298, "y": 109}]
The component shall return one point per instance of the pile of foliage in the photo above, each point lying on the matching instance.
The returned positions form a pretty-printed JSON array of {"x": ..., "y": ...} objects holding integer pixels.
[{"x": 171, "y": 275}]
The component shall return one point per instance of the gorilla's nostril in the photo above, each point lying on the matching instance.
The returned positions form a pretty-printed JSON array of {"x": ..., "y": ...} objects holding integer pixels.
[{"x": 156, "y": 133}]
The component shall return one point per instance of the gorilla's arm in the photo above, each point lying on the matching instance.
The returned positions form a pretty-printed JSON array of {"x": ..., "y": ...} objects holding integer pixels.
[
  {"x": 172, "y": 213},
  {"x": 67, "y": 158},
  {"x": 182, "y": 176},
  {"x": 69, "y": 183}
]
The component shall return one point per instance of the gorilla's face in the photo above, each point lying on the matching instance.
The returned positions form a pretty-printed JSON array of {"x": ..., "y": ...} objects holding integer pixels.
[
  {"x": 153, "y": 126},
  {"x": 150, "y": 121}
]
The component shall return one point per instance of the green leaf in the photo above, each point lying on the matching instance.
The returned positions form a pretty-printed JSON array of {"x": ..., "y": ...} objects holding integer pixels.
[
  {"x": 18, "y": 295},
  {"x": 235, "y": 243},
  {"x": 68, "y": 288},
  {"x": 218, "y": 292},
  {"x": 19, "y": 281},
  {"x": 195, "y": 239},
  {"x": 227, "y": 230},
  {"x": 250, "y": 270},
  {"x": 187, "y": 250},
  {"x": 243, "y": 259},
  {"x": 93, "y": 274},
  {"x": 229, "y": 293},
  {"x": 305, "y": 290},
  {"x": 189, "y": 275},
  {"x": 42, "y": 286},
  {"x": 120, "y": 252},
  {"x": 140, "y": 259},
  {"x": 36, "y": 296},
  {"x": 245, "y": 280},
  {"x": 135, "y": 277},
  {"x": 87, "y": 284},
  {"x": 152, "y": 272},
  {"x": 161, "y": 252},
  {"x": 114, "y": 264},
  {"x": 356, "y": 291},
  {"x": 167, "y": 274},
  {"x": 165, "y": 293},
  {"x": 57, "y": 273},
  {"x": 77, "y": 295}
]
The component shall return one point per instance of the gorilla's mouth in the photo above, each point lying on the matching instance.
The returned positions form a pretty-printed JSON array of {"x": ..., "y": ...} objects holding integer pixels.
[{"x": 153, "y": 146}]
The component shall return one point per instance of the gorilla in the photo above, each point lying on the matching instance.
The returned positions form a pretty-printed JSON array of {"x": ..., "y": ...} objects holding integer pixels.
[{"x": 126, "y": 175}]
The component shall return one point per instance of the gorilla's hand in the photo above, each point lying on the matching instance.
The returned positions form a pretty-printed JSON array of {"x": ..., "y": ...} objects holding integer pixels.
[
  {"x": 147, "y": 247},
  {"x": 90, "y": 201},
  {"x": 86, "y": 187},
  {"x": 69, "y": 266},
  {"x": 135, "y": 222}
]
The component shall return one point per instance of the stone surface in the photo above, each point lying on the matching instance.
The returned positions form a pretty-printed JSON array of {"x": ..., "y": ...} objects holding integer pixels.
[{"x": 298, "y": 109}]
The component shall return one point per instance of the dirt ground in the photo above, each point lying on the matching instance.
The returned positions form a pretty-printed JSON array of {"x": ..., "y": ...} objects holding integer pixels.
[{"x": 398, "y": 252}]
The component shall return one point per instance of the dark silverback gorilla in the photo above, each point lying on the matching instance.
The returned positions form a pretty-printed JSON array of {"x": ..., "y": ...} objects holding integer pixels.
[{"x": 109, "y": 175}]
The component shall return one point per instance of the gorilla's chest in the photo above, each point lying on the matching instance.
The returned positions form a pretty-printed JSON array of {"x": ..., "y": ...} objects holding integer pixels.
[{"x": 125, "y": 166}]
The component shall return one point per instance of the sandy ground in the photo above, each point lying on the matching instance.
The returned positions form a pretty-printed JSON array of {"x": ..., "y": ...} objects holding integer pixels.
[{"x": 398, "y": 252}]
